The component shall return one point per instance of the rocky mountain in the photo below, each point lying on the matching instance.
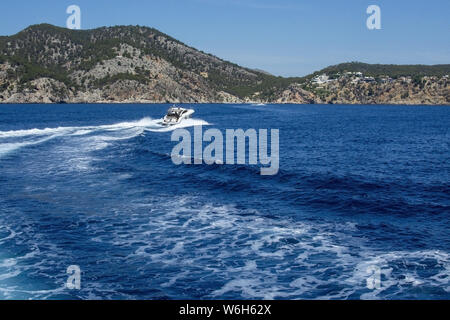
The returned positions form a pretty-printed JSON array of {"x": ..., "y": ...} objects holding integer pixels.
[{"x": 48, "y": 64}]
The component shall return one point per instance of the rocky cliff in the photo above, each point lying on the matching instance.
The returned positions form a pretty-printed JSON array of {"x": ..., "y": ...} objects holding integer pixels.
[
  {"x": 47, "y": 64},
  {"x": 345, "y": 90}
]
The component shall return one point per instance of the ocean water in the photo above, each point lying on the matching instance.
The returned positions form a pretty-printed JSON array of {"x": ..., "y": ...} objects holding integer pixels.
[{"x": 360, "y": 207}]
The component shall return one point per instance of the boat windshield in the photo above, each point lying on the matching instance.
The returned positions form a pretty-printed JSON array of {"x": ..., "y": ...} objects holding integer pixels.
[{"x": 175, "y": 112}]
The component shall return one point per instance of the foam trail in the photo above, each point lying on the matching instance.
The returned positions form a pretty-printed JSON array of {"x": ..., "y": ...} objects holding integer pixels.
[
  {"x": 117, "y": 131},
  {"x": 6, "y": 148},
  {"x": 184, "y": 124},
  {"x": 145, "y": 122},
  {"x": 32, "y": 132}
]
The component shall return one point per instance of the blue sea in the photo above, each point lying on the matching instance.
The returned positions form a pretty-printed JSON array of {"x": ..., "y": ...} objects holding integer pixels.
[{"x": 360, "y": 207}]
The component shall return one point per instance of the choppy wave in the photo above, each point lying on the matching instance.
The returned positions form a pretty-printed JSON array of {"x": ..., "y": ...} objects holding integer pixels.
[{"x": 238, "y": 253}]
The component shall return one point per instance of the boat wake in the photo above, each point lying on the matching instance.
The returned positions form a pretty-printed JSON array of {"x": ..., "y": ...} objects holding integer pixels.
[
  {"x": 184, "y": 124},
  {"x": 14, "y": 140}
]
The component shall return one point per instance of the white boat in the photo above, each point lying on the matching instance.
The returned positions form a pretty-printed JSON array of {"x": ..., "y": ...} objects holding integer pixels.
[{"x": 175, "y": 115}]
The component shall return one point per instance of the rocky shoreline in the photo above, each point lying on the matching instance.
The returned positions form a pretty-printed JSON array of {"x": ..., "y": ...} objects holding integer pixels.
[{"x": 50, "y": 91}]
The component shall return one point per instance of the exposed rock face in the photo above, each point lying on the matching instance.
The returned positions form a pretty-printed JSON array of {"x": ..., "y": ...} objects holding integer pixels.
[
  {"x": 46, "y": 64},
  {"x": 42, "y": 90},
  {"x": 431, "y": 91},
  {"x": 295, "y": 94},
  {"x": 192, "y": 89}
]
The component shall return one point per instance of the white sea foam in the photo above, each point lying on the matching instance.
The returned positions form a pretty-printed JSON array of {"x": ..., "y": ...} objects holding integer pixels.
[
  {"x": 14, "y": 140},
  {"x": 259, "y": 104},
  {"x": 257, "y": 254},
  {"x": 15, "y": 293},
  {"x": 6, "y": 148},
  {"x": 144, "y": 122},
  {"x": 184, "y": 124},
  {"x": 244, "y": 254},
  {"x": 11, "y": 234},
  {"x": 33, "y": 132}
]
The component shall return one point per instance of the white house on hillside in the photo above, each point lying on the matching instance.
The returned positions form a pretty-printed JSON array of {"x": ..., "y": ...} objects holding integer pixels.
[{"x": 321, "y": 79}]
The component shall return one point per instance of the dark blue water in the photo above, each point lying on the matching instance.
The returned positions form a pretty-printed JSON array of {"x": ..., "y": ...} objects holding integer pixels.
[{"x": 362, "y": 193}]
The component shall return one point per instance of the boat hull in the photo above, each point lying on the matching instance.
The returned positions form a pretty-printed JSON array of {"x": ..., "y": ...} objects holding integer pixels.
[{"x": 171, "y": 121}]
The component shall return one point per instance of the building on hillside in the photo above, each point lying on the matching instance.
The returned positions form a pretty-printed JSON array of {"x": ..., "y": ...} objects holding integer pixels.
[{"x": 321, "y": 79}]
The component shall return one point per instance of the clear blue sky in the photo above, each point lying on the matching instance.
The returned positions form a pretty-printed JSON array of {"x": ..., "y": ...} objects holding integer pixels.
[{"x": 284, "y": 37}]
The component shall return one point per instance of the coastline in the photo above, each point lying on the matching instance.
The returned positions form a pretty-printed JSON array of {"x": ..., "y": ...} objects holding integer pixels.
[{"x": 226, "y": 103}]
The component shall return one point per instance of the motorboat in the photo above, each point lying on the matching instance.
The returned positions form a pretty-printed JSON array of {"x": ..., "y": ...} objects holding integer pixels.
[{"x": 175, "y": 115}]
